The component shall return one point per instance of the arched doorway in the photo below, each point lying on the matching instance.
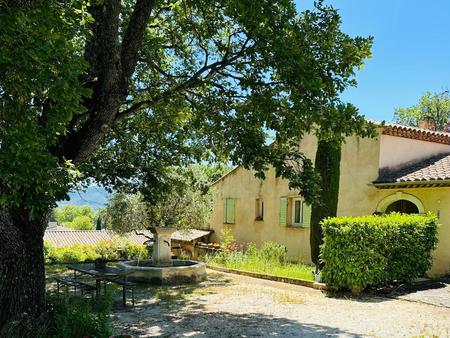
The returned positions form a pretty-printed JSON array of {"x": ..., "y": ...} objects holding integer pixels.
[
  {"x": 402, "y": 206},
  {"x": 400, "y": 202}
]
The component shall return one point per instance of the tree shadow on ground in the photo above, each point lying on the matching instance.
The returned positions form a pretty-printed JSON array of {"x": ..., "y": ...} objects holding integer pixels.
[
  {"x": 363, "y": 297},
  {"x": 176, "y": 295},
  {"x": 173, "y": 311},
  {"x": 408, "y": 288},
  {"x": 398, "y": 291},
  {"x": 225, "y": 324}
]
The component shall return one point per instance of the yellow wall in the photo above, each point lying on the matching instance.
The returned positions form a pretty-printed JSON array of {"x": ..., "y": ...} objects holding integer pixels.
[
  {"x": 359, "y": 167},
  {"x": 245, "y": 188}
]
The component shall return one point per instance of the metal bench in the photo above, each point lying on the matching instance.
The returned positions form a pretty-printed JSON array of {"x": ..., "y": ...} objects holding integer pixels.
[
  {"x": 126, "y": 285},
  {"x": 75, "y": 283}
]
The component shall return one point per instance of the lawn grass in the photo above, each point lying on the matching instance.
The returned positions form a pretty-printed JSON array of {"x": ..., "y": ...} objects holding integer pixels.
[
  {"x": 270, "y": 259},
  {"x": 290, "y": 270}
]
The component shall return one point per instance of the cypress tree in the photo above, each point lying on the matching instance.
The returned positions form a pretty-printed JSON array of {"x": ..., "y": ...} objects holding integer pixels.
[{"x": 327, "y": 164}]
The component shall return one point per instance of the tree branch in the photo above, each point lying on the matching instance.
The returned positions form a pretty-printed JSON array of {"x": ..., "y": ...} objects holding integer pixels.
[
  {"x": 134, "y": 36},
  {"x": 194, "y": 81}
]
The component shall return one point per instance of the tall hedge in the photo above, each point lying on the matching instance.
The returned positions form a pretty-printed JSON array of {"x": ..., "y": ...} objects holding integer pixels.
[{"x": 377, "y": 250}]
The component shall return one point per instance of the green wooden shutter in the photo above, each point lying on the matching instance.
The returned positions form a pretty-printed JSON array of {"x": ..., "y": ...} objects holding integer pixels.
[
  {"x": 283, "y": 211},
  {"x": 306, "y": 218},
  {"x": 225, "y": 210},
  {"x": 229, "y": 211}
]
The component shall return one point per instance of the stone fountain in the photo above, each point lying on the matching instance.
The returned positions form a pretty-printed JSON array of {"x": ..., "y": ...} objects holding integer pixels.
[{"x": 162, "y": 269}]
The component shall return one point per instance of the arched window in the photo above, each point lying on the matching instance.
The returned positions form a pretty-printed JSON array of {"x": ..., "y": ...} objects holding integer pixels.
[{"x": 402, "y": 206}]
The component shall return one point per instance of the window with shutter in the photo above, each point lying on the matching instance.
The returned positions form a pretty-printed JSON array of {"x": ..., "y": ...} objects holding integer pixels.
[
  {"x": 283, "y": 211},
  {"x": 229, "y": 211},
  {"x": 306, "y": 217}
]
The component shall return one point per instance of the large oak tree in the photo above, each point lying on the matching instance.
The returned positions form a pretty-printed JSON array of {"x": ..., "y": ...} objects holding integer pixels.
[{"x": 115, "y": 90}]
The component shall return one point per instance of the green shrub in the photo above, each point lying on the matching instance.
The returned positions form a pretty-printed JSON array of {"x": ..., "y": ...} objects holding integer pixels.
[
  {"x": 81, "y": 223},
  {"x": 77, "y": 317},
  {"x": 377, "y": 250},
  {"x": 107, "y": 250},
  {"x": 226, "y": 238},
  {"x": 65, "y": 317},
  {"x": 273, "y": 252},
  {"x": 67, "y": 214},
  {"x": 72, "y": 254},
  {"x": 134, "y": 251}
]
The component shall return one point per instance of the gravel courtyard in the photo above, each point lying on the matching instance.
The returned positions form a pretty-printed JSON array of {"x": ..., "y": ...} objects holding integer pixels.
[{"x": 228, "y": 305}]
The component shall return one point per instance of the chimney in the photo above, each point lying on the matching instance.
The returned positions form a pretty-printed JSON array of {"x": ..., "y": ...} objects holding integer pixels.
[{"x": 428, "y": 123}]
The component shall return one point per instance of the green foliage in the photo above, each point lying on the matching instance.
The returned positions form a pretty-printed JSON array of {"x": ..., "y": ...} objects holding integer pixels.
[
  {"x": 75, "y": 217},
  {"x": 183, "y": 201},
  {"x": 377, "y": 250},
  {"x": 125, "y": 212},
  {"x": 132, "y": 250},
  {"x": 226, "y": 238},
  {"x": 76, "y": 317},
  {"x": 327, "y": 165},
  {"x": 40, "y": 68},
  {"x": 186, "y": 201},
  {"x": 216, "y": 86},
  {"x": 151, "y": 85},
  {"x": 81, "y": 223},
  {"x": 269, "y": 259},
  {"x": 70, "y": 254},
  {"x": 435, "y": 105},
  {"x": 212, "y": 78},
  {"x": 107, "y": 250}
]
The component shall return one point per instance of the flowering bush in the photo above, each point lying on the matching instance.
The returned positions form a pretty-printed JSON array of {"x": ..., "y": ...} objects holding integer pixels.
[{"x": 235, "y": 247}]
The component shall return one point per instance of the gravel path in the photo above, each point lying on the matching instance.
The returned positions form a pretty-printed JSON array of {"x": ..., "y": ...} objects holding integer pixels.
[{"x": 236, "y": 306}]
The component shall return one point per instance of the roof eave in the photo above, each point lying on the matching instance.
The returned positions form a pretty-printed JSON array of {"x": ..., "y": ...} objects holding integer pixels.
[{"x": 412, "y": 184}]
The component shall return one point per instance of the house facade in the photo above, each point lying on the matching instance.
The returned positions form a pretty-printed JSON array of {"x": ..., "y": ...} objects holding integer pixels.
[{"x": 403, "y": 169}]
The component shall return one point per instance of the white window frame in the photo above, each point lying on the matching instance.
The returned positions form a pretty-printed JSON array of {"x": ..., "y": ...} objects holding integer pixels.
[
  {"x": 259, "y": 209},
  {"x": 293, "y": 203}
]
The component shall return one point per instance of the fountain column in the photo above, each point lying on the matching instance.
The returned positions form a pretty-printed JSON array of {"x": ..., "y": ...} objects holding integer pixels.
[{"x": 162, "y": 253}]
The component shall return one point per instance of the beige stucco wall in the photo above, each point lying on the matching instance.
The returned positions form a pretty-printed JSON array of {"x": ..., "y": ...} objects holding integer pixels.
[
  {"x": 355, "y": 193},
  {"x": 397, "y": 151},
  {"x": 245, "y": 188},
  {"x": 359, "y": 167}
]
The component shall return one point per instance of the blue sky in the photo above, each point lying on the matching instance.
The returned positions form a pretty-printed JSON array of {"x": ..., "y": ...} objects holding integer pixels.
[{"x": 411, "y": 51}]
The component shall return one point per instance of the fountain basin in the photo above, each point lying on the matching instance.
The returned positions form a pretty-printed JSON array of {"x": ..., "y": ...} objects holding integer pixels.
[{"x": 177, "y": 272}]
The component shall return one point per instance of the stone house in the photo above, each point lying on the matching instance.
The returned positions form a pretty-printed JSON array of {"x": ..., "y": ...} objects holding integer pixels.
[{"x": 403, "y": 169}]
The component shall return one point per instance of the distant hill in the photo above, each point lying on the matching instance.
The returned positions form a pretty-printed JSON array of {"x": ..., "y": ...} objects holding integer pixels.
[{"x": 94, "y": 196}]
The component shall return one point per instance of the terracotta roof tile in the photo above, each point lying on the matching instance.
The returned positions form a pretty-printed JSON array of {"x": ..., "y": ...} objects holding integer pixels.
[
  {"x": 92, "y": 237},
  {"x": 416, "y": 133},
  {"x": 436, "y": 168}
]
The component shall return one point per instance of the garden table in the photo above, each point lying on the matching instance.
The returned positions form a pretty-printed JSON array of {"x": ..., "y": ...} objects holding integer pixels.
[{"x": 104, "y": 274}]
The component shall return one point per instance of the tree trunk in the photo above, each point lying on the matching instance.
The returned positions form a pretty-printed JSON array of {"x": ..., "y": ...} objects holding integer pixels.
[
  {"x": 327, "y": 164},
  {"x": 22, "y": 271}
]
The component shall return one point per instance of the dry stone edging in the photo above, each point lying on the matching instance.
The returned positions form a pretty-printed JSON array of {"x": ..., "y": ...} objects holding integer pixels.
[{"x": 289, "y": 280}]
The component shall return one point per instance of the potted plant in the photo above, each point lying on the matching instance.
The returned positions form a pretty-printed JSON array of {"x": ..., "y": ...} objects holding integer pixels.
[{"x": 100, "y": 263}]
